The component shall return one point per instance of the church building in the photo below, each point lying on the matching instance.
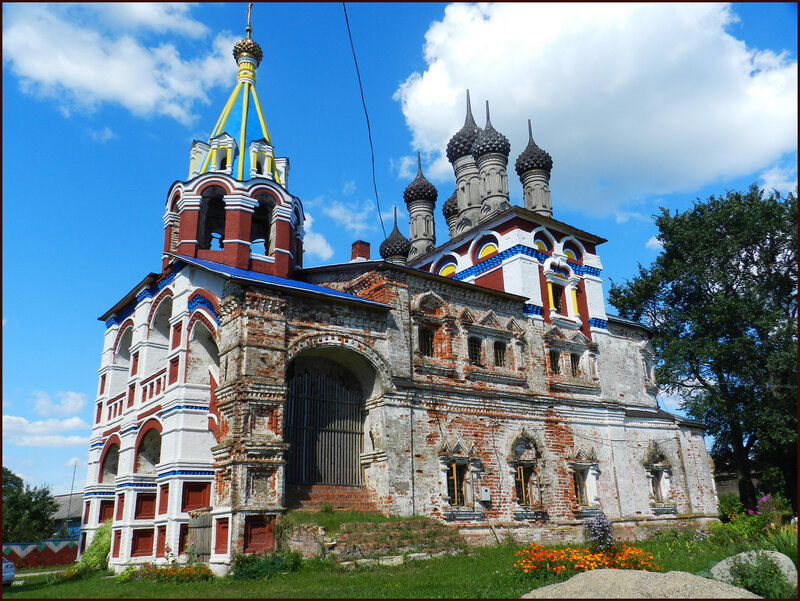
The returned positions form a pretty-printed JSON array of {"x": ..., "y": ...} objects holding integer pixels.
[{"x": 475, "y": 378}]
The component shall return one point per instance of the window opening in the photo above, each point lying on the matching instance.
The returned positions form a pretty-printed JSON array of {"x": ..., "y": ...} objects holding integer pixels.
[
  {"x": 527, "y": 483},
  {"x": 555, "y": 367},
  {"x": 457, "y": 484},
  {"x": 579, "y": 482},
  {"x": 474, "y": 350},
  {"x": 558, "y": 301},
  {"x": 575, "y": 365},
  {"x": 500, "y": 354},
  {"x": 655, "y": 485},
  {"x": 426, "y": 342},
  {"x": 211, "y": 218}
]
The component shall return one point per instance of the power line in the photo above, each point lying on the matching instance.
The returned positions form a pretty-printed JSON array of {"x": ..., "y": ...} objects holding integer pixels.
[{"x": 369, "y": 130}]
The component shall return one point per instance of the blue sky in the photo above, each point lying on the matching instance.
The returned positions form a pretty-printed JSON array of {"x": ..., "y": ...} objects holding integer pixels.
[{"x": 640, "y": 106}]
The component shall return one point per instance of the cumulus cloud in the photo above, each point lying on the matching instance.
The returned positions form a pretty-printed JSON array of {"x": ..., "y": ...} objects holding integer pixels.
[
  {"x": 45, "y": 433},
  {"x": 66, "y": 403},
  {"x": 654, "y": 244},
  {"x": 624, "y": 217},
  {"x": 85, "y": 55},
  {"x": 783, "y": 180},
  {"x": 348, "y": 188},
  {"x": 631, "y": 100},
  {"x": 315, "y": 243},
  {"x": 356, "y": 219}
]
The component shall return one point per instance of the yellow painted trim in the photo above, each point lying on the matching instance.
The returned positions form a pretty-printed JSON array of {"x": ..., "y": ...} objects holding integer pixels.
[
  {"x": 243, "y": 130},
  {"x": 575, "y": 300},
  {"x": 264, "y": 129},
  {"x": 223, "y": 118},
  {"x": 253, "y": 161},
  {"x": 550, "y": 294},
  {"x": 191, "y": 165}
]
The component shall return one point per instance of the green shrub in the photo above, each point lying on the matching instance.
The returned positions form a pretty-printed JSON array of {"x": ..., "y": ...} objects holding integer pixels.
[
  {"x": 761, "y": 576},
  {"x": 94, "y": 558},
  {"x": 264, "y": 567},
  {"x": 175, "y": 573},
  {"x": 729, "y": 505},
  {"x": 783, "y": 540},
  {"x": 741, "y": 527}
]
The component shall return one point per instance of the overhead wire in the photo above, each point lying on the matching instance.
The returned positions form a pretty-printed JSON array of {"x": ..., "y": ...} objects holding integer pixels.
[{"x": 366, "y": 115}]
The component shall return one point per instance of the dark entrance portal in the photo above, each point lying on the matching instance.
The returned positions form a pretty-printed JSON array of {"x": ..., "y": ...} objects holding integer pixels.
[{"x": 324, "y": 423}]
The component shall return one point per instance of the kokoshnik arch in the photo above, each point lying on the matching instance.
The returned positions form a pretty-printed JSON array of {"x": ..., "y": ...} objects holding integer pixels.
[{"x": 479, "y": 381}]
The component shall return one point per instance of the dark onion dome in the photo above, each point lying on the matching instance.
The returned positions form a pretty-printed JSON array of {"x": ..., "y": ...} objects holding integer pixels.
[
  {"x": 490, "y": 140},
  {"x": 533, "y": 157},
  {"x": 420, "y": 188},
  {"x": 396, "y": 244},
  {"x": 460, "y": 145},
  {"x": 248, "y": 46},
  {"x": 450, "y": 206}
]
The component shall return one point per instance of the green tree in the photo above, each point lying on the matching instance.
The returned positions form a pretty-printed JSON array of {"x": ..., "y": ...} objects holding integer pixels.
[
  {"x": 721, "y": 299},
  {"x": 27, "y": 511}
]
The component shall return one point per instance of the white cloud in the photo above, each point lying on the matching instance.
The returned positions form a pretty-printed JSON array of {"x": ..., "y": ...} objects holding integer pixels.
[
  {"x": 654, "y": 244},
  {"x": 103, "y": 135},
  {"x": 783, "y": 180},
  {"x": 67, "y": 403},
  {"x": 624, "y": 217},
  {"x": 348, "y": 188},
  {"x": 315, "y": 243},
  {"x": 46, "y": 433},
  {"x": 405, "y": 167},
  {"x": 73, "y": 461},
  {"x": 630, "y": 99},
  {"x": 355, "y": 219},
  {"x": 85, "y": 55}
]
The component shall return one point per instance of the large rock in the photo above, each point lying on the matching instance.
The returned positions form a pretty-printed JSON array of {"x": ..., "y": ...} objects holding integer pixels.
[
  {"x": 637, "y": 584},
  {"x": 722, "y": 570}
]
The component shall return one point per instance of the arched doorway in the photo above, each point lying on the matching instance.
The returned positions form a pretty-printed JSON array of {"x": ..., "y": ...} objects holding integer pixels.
[{"x": 324, "y": 422}]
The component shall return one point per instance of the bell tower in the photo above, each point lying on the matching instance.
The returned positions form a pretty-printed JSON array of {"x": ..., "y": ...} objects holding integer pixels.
[{"x": 235, "y": 208}]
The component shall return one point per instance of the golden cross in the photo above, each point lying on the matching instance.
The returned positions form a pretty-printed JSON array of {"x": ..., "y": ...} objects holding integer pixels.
[{"x": 249, "y": 6}]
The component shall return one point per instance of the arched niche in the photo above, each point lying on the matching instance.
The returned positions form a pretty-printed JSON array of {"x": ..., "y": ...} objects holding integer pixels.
[
  {"x": 203, "y": 357},
  {"x": 109, "y": 464},
  {"x": 148, "y": 449}
]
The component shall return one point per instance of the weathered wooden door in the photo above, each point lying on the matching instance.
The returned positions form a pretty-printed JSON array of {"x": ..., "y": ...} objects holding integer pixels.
[
  {"x": 324, "y": 424},
  {"x": 200, "y": 533}
]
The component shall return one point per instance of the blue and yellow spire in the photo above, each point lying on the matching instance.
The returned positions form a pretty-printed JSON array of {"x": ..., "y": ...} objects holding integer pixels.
[{"x": 225, "y": 147}]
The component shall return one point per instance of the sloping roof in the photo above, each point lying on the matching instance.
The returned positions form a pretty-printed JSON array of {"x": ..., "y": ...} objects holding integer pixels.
[
  {"x": 271, "y": 281},
  {"x": 68, "y": 509}
]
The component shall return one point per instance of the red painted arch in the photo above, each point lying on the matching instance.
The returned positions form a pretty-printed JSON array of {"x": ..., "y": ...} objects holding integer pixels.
[
  {"x": 150, "y": 424},
  {"x": 110, "y": 442}
]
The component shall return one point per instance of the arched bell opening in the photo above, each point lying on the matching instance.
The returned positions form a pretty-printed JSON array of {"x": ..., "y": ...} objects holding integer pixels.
[{"x": 211, "y": 219}]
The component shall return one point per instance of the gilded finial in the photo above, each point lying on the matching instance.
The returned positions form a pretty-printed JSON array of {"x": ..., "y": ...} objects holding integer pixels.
[{"x": 248, "y": 29}]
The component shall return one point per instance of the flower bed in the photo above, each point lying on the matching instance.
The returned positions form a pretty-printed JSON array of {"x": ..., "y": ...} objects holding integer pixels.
[{"x": 625, "y": 557}]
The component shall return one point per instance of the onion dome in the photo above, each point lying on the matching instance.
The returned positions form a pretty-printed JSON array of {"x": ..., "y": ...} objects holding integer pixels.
[
  {"x": 248, "y": 46},
  {"x": 450, "y": 206},
  {"x": 396, "y": 244},
  {"x": 460, "y": 144},
  {"x": 490, "y": 140},
  {"x": 533, "y": 157},
  {"x": 420, "y": 188}
]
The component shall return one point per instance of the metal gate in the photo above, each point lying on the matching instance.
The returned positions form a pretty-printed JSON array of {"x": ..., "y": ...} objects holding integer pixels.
[
  {"x": 324, "y": 424},
  {"x": 200, "y": 533}
]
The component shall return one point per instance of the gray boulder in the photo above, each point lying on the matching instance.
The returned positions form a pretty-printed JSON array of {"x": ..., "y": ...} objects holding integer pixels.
[
  {"x": 637, "y": 584},
  {"x": 722, "y": 570}
]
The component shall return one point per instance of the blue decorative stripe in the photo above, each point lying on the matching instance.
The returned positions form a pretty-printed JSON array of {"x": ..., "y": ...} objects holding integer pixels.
[
  {"x": 137, "y": 485},
  {"x": 131, "y": 429},
  {"x": 531, "y": 309},
  {"x": 194, "y": 407},
  {"x": 97, "y": 444},
  {"x": 146, "y": 293},
  {"x": 597, "y": 323},
  {"x": 518, "y": 249},
  {"x": 98, "y": 494},
  {"x": 185, "y": 473},
  {"x": 201, "y": 301}
]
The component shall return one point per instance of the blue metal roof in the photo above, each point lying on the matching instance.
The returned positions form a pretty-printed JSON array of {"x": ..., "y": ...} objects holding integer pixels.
[{"x": 244, "y": 275}]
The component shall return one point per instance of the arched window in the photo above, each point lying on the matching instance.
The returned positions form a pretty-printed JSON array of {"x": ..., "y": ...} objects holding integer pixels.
[
  {"x": 109, "y": 464},
  {"x": 542, "y": 243},
  {"x": 122, "y": 354},
  {"x": 526, "y": 462},
  {"x": 203, "y": 357},
  {"x": 485, "y": 248},
  {"x": 148, "y": 451},
  {"x": 446, "y": 267},
  {"x": 573, "y": 252},
  {"x": 261, "y": 228},
  {"x": 159, "y": 330},
  {"x": 211, "y": 219}
]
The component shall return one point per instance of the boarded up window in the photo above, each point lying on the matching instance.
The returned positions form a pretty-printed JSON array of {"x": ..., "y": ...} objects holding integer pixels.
[
  {"x": 258, "y": 534},
  {"x": 176, "y": 335},
  {"x": 145, "y": 506},
  {"x": 83, "y": 542},
  {"x": 117, "y": 542},
  {"x": 163, "y": 499},
  {"x": 161, "y": 541},
  {"x": 86, "y": 508},
  {"x": 183, "y": 538},
  {"x": 134, "y": 363},
  {"x": 173, "y": 370},
  {"x": 221, "y": 542},
  {"x": 195, "y": 495},
  {"x": 99, "y": 413},
  {"x": 120, "y": 505},
  {"x": 142, "y": 542},
  {"x": 102, "y": 384},
  {"x": 131, "y": 394},
  {"x": 106, "y": 511}
]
